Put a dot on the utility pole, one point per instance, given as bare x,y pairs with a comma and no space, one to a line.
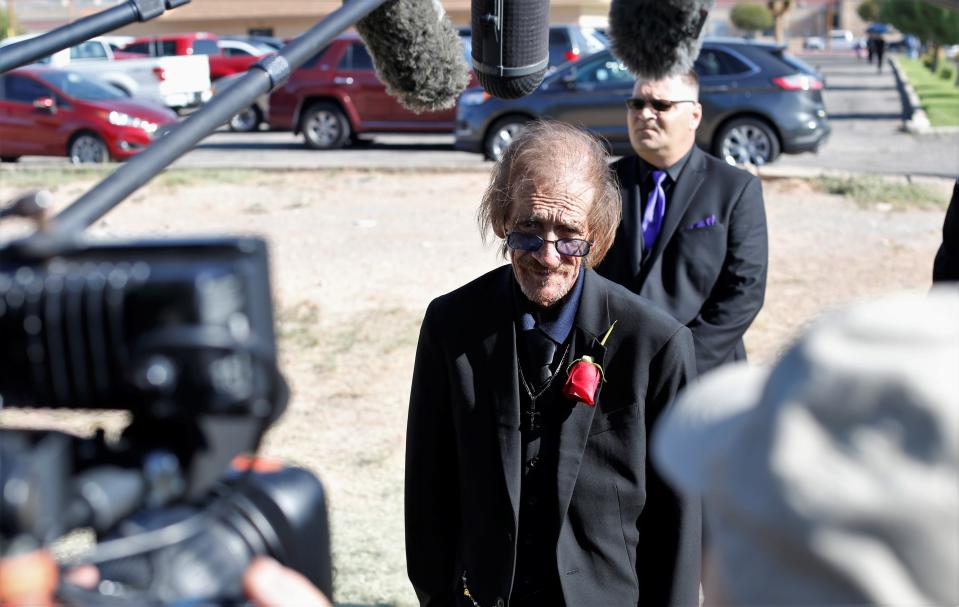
829,18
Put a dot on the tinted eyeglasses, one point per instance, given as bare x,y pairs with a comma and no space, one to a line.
660,105
571,247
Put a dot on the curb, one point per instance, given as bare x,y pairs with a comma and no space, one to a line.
772,173
914,117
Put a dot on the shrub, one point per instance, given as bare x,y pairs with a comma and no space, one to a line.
945,73
751,17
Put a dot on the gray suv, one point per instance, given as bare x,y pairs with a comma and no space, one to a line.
758,101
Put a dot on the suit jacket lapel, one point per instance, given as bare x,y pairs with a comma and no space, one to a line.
630,231
678,201
500,348
592,321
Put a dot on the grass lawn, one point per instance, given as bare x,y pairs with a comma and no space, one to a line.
939,97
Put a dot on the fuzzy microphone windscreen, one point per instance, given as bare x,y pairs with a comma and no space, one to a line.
417,53
657,38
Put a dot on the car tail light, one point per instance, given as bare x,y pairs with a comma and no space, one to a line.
572,54
798,82
160,73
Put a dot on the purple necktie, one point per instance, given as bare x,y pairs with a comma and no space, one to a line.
655,209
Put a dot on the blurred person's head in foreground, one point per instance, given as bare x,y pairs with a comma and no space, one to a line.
834,477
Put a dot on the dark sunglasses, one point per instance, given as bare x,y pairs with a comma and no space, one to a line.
571,247
660,105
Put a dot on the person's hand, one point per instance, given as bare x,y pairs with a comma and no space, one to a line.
28,580
268,584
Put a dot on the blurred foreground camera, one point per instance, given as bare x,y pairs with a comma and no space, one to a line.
180,334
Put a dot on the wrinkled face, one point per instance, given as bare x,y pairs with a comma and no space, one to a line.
551,213
663,137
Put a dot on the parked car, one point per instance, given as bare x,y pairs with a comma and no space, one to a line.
50,112
195,43
813,43
567,42
244,48
176,82
756,104
572,42
842,40
335,97
249,119
271,41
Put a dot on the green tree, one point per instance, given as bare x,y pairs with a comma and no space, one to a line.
932,23
869,10
751,17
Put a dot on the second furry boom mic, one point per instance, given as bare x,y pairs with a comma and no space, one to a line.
510,45
657,38
417,53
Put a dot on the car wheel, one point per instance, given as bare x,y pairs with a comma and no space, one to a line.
324,127
246,121
500,135
747,141
88,148
9,158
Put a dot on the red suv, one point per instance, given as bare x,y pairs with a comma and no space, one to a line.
196,43
50,112
335,96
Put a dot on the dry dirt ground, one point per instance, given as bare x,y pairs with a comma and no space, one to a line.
356,257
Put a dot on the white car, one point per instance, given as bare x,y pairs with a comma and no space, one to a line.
243,48
175,82
841,40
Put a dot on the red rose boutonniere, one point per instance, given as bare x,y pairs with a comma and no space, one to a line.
584,376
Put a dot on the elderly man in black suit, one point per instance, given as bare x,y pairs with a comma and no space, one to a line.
693,232
524,484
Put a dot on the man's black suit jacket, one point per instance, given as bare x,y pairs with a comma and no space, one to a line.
709,276
946,266
623,533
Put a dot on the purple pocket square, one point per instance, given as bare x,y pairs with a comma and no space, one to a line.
702,223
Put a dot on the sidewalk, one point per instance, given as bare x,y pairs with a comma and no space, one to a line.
866,113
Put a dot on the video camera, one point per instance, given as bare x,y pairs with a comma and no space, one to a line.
180,334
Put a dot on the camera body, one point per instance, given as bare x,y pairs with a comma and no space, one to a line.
140,326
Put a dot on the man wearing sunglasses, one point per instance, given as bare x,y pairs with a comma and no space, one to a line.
525,486
693,232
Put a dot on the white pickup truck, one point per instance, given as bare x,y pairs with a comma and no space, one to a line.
176,82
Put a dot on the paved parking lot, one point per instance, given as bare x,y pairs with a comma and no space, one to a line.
864,108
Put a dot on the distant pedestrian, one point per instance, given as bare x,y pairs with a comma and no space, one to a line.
880,47
912,44
871,48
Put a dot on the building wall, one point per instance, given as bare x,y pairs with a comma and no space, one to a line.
289,18
286,18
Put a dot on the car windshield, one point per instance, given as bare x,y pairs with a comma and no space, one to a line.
82,87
